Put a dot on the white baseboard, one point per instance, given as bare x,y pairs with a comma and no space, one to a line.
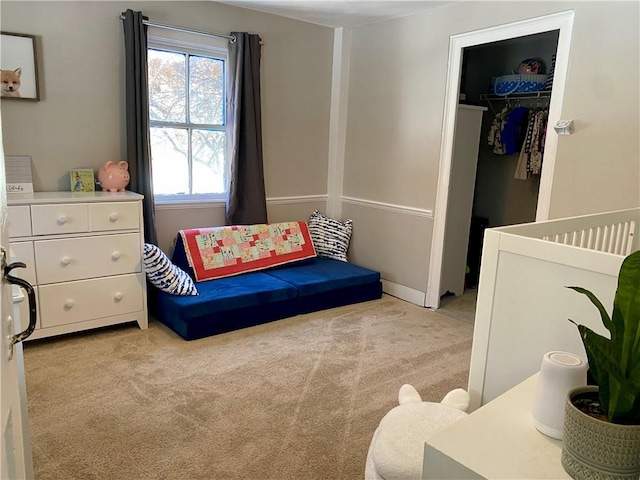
403,293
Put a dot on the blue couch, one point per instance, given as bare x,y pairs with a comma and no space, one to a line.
253,298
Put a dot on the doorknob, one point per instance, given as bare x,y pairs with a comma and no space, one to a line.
31,295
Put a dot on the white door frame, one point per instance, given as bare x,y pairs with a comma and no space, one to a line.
562,21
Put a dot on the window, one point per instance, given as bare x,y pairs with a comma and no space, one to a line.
188,127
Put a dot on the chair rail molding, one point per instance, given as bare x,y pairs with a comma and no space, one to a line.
390,207
221,203
296,199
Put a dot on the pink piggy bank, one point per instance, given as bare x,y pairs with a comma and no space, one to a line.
113,177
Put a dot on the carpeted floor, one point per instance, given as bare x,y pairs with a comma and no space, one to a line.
294,399
462,307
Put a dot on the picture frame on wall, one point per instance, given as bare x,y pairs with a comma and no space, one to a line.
19,65
82,180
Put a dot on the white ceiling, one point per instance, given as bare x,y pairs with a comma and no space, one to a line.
338,13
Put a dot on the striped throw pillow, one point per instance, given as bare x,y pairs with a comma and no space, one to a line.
163,274
330,237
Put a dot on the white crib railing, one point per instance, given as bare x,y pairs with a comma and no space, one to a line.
616,238
523,303
611,232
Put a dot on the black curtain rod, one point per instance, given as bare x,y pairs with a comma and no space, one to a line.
231,38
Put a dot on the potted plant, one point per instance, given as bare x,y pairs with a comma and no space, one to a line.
602,423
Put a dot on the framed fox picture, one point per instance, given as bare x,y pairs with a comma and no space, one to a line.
19,66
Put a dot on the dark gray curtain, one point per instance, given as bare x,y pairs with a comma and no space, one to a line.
246,203
137,117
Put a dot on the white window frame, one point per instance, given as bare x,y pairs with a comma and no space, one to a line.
219,53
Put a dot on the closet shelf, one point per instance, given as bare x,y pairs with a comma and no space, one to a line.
489,98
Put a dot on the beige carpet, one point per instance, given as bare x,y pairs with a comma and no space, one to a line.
462,307
294,399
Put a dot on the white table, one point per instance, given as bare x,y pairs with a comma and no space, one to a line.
497,441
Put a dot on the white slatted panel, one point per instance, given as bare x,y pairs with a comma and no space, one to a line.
616,238
629,238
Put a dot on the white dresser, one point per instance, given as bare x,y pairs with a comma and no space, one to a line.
83,253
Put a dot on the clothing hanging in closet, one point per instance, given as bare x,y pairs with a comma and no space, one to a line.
530,159
520,130
495,132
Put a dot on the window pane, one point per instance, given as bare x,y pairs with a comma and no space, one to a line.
206,90
167,91
169,161
208,149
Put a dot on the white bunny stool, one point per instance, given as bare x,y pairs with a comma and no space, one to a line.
397,447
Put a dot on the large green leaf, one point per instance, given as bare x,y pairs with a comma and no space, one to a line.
603,312
617,394
626,309
634,416
634,375
615,362
595,346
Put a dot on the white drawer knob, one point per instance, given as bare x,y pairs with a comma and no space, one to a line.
62,219
113,217
65,260
68,304
115,255
118,296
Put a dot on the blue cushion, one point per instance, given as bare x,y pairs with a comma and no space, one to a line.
338,298
250,299
225,304
323,275
221,322
231,293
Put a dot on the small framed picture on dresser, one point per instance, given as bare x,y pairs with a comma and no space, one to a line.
82,180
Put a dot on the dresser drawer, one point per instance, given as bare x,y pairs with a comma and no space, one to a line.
59,218
74,302
87,257
114,216
19,221
23,252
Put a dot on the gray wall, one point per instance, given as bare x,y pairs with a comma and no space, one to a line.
79,120
397,81
395,103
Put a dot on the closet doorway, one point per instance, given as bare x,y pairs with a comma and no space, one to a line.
476,51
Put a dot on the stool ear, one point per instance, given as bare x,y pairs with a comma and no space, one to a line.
457,398
408,394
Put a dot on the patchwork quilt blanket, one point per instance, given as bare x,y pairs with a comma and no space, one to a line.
224,251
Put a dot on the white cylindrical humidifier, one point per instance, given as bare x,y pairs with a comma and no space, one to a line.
559,373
